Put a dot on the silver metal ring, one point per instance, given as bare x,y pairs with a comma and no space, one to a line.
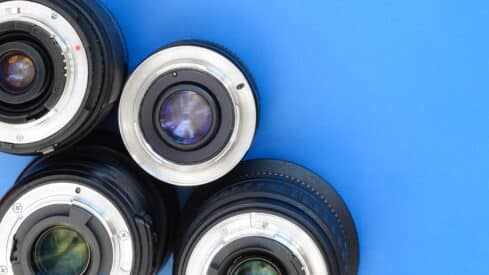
257,224
207,61
76,59
65,193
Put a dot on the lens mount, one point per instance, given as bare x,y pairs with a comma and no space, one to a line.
85,63
69,217
116,211
76,59
221,76
49,81
271,210
67,194
263,225
218,101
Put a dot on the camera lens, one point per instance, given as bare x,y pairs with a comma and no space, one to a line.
189,113
186,117
61,251
255,267
62,68
87,210
17,72
267,217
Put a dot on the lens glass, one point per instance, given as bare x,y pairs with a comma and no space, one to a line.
61,251
17,72
256,267
186,117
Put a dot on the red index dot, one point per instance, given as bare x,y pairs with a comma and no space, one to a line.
77,48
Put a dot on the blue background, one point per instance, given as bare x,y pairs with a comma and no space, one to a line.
386,99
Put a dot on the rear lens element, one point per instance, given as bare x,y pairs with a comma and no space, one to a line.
256,267
61,251
17,72
186,117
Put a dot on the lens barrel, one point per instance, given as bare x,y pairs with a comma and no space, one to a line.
84,211
62,67
188,114
267,217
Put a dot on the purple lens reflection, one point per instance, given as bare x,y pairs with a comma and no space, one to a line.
186,117
17,72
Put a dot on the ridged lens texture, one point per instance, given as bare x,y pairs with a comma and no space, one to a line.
186,117
256,267
61,251
17,72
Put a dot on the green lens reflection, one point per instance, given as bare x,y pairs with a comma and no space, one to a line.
61,251
256,267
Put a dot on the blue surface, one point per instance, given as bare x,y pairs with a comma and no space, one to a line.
387,100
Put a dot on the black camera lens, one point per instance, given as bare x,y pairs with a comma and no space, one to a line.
86,210
17,72
186,117
62,67
61,251
267,217
188,114
255,267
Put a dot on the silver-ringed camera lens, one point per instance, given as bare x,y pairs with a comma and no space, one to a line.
188,113
85,211
62,66
267,217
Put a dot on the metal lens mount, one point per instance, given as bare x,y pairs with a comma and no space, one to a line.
215,76
80,60
95,194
